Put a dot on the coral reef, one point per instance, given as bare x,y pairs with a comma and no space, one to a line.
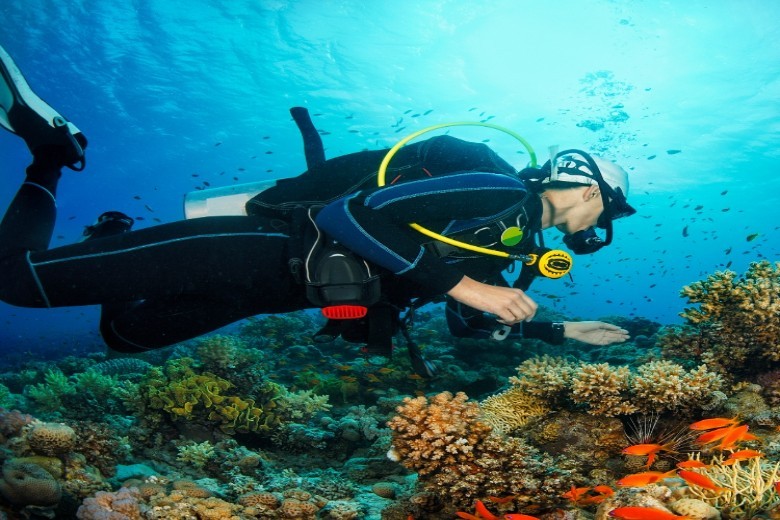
51,438
512,409
431,435
188,395
603,389
748,487
458,456
736,322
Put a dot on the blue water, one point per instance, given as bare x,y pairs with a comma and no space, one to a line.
170,89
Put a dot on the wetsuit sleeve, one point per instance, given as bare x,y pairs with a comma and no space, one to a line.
375,224
466,322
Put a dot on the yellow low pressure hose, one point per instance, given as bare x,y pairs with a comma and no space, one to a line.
381,175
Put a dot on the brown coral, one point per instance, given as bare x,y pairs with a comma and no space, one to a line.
51,438
615,390
603,388
736,321
428,436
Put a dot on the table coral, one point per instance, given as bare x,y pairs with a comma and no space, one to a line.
737,320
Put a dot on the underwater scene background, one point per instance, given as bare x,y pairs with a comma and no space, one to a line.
258,421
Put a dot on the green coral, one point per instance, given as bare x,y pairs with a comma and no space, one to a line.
194,396
196,454
222,352
47,396
5,395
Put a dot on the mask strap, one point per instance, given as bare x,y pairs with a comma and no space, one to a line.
553,162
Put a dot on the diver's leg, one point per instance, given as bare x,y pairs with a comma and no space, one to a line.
157,323
206,256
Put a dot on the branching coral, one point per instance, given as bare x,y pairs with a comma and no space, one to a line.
737,319
663,385
457,455
749,487
609,390
603,388
429,436
196,454
48,395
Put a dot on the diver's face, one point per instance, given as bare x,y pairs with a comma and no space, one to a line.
585,213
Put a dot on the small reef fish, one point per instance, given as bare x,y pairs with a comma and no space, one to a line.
650,450
644,513
482,513
737,434
644,478
501,500
741,455
711,424
575,493
713,435
697,479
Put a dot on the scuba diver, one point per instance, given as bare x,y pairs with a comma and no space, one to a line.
353,254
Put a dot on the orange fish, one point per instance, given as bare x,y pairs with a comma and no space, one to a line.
687,464
501,500
644,513
483,512
467,516
737,434
714,435
574,494
741,455
604,490
711,424
777,487
697,479
643,479
651,450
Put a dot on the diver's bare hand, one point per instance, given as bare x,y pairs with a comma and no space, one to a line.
594,332
509,305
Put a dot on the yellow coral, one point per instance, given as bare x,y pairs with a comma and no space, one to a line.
736,320
544,376
603,388
204,394
52,439
749,487
663,385
512,409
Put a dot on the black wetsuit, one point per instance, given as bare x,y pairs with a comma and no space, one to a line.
172,282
